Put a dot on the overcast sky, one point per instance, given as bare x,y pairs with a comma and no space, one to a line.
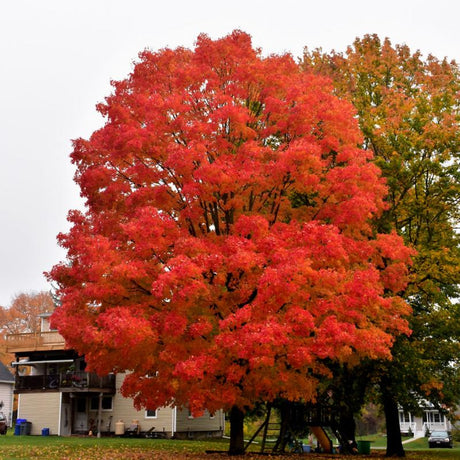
57,59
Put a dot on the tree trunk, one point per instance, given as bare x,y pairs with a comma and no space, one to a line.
236,432
347,431
394,440
284,434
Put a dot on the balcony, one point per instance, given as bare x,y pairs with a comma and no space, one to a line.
39,341
66,382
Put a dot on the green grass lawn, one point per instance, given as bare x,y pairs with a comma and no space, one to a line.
111,448
378,441
105,448
417,448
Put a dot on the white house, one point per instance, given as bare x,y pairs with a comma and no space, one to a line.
431,419
58,395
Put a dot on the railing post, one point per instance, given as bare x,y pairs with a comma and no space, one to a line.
99,415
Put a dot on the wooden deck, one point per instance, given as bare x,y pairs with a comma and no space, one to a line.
41,341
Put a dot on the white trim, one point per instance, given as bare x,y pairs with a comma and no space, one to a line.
151,416
11,408
46,314
174,421
46,361
60,415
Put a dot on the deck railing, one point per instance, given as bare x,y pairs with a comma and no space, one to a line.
73,380
321,415
34,341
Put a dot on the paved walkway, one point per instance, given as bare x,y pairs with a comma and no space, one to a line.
413,439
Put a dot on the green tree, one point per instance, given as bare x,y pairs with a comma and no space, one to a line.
408,110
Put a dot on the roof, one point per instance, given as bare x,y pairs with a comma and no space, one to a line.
45,314
5,374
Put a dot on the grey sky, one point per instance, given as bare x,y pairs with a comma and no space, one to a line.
57,59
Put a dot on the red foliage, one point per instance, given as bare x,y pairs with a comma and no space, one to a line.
227,251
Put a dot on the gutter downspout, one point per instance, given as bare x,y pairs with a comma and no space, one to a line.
174,421
19,406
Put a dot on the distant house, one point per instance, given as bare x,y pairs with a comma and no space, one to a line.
431,419
57,393
6,392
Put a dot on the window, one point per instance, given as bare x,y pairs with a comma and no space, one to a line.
106,403
151,413
433,417
404,417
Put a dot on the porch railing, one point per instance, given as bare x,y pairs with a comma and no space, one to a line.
437,426
408,427
74,380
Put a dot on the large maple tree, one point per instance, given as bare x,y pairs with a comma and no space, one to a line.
225,254
409,113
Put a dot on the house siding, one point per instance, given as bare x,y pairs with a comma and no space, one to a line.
42,410
124,410
6,396
204,424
